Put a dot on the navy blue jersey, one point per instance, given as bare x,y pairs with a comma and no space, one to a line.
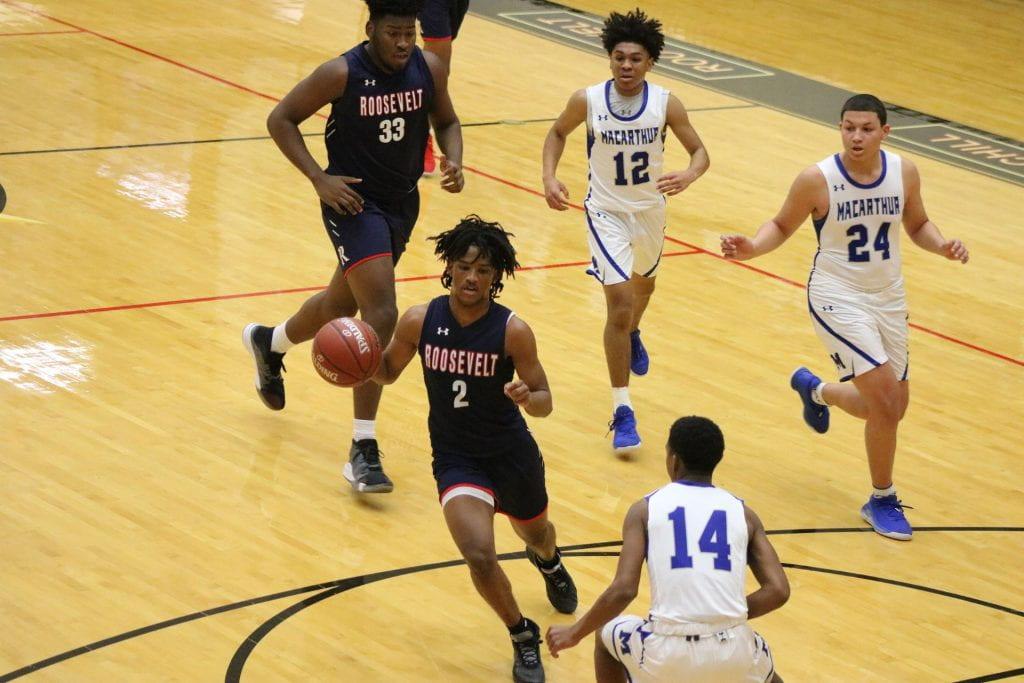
465,370
378,128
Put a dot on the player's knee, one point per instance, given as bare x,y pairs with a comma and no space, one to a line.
481,561
620,316
382,317
887,407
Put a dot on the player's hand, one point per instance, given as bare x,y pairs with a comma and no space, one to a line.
518,392
955,250
560,638
335,192
737,247
556,194
451,176
675,182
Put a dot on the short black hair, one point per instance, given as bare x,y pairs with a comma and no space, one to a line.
393,8
490,238
698,443
633,27
864,102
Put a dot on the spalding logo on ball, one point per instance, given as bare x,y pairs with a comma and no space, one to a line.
346,352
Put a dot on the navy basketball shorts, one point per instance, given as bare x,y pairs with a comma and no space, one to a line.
512,481
441,19
381,229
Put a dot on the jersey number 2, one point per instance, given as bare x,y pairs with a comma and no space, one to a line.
459,387
713,540
639,170
859,233
392,130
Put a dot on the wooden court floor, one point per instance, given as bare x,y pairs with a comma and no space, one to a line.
159,524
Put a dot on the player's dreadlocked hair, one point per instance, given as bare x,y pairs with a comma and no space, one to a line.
490,238
393,8
634,27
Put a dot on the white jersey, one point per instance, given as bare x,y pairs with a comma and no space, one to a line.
859,238
696,559
625,152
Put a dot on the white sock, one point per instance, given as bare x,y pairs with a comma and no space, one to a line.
280,343
882,493
364,429
620,397
817,396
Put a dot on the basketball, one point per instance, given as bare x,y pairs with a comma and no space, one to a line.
346,352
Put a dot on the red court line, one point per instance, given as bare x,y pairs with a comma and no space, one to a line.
38,33
467,168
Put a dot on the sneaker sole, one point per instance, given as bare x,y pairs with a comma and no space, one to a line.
895,535
627,449
247,342
360,487
639,374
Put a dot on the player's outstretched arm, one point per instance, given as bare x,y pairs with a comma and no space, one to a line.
575,113
807,195
764,562
314,92
915,220
530,392
619,594
678,120
403,345
447,128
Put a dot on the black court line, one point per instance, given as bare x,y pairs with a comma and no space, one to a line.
993,677
250,138
329,588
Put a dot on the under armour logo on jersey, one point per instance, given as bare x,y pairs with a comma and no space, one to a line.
838,361
443,330
602,117
840,186
370,81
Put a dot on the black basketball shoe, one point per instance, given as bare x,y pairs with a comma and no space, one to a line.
363,469
269,364
561,589
526,667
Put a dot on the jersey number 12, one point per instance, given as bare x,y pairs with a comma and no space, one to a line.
714,540
638,171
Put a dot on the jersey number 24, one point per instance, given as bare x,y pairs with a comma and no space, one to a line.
859,233
713,540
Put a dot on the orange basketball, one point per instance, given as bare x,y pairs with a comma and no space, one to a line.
346,352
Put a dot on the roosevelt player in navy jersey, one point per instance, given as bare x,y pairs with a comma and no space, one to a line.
484,458
384,93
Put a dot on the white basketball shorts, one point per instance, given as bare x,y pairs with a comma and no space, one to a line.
860,330
735,655
624,243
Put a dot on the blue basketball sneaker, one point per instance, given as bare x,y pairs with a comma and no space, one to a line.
886,516
803,382
623,424
639,361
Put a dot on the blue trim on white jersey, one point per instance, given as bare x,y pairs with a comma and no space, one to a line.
842,169
608,102
590,145
847,378
604,251
838,336
702,484
819,223
906,369
655,266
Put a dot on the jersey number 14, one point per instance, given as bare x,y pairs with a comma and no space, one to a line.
713,540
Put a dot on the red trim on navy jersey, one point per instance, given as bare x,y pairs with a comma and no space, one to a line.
364,260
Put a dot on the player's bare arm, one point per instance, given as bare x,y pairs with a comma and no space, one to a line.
320,88
447,128
575,113
764,563
403,346
619,594
678,120
808,196
530,392
915,220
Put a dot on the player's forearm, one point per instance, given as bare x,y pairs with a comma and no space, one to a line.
289,140
539,404
699,162
554,146
929,238
765,599
767,238
609,605
449,139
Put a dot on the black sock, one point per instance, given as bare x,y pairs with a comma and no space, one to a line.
519,627
548,565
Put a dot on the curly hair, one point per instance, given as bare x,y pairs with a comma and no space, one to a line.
393,8
490,238
697,442
633,27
